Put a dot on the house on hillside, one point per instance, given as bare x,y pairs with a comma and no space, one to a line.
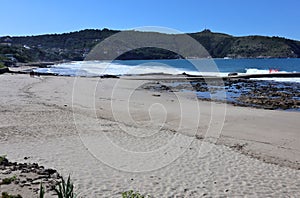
10,60
6,41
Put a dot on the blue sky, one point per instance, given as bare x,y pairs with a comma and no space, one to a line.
236,17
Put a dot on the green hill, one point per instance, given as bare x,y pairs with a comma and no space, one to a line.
223,45
76,45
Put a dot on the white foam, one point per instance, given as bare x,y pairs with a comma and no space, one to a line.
264,71
98,68
297,80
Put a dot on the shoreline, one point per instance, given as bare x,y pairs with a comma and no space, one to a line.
205,87
267,98
38,117
25,69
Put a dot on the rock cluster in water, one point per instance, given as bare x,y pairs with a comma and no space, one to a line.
242,92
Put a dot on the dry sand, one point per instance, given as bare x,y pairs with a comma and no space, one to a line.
111,136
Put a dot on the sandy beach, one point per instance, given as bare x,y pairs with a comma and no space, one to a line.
112,135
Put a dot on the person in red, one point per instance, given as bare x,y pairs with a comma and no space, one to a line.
273,70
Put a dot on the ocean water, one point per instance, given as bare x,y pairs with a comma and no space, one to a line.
219,67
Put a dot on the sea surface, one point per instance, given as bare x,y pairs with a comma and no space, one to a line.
219,67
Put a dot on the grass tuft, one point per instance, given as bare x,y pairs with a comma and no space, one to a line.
2,158
42,191
65,189
132,194
9,180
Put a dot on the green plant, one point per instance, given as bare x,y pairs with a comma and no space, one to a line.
65,189
42,191
9,180
132,194
2,158
6,195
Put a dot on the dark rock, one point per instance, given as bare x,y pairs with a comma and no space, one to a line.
4,161
233,74
109,76
50,171
29,179
23,181
25,171
4,70
6,172
164,87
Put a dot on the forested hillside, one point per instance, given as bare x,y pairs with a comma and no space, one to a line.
76,45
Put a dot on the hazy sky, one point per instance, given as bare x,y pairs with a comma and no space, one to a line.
236,17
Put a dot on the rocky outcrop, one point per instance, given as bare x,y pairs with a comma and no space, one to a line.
241,92
4,70
15,175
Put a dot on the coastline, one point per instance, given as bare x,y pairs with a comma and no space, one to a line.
254,144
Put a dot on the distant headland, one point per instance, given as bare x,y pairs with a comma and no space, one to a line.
74,46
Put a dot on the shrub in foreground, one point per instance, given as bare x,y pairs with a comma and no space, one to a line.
65,189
